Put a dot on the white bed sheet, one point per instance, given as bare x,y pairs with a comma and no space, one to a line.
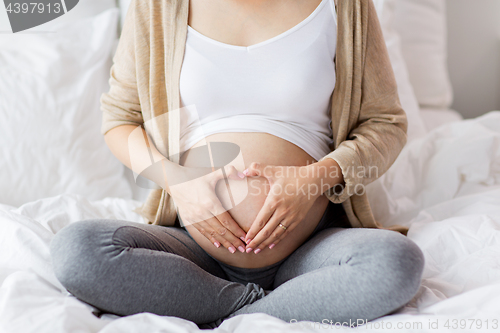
459,235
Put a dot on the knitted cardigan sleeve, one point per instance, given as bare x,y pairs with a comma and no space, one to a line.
368,123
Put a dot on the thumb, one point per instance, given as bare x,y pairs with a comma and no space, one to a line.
233,173
254,170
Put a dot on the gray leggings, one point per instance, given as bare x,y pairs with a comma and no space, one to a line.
340,274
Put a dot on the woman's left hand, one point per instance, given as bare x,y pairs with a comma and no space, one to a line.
292,192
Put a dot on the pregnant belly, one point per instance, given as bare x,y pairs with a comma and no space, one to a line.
269,150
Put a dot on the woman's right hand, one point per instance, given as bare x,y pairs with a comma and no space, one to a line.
199,206
193,189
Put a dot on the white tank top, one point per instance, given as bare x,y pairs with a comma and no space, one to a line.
281,86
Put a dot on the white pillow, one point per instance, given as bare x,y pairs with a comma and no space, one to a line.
84,9
87,8
123,4
416,125
422,27
50,88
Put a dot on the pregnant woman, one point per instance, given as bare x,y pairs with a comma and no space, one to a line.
305,91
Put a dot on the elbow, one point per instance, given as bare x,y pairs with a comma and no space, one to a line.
116,135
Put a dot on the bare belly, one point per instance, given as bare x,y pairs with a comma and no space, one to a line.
269,150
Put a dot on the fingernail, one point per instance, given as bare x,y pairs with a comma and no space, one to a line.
241,248
271,246
232,249
216,244
241,175
242,238
249,250
256,251
248,241
245,172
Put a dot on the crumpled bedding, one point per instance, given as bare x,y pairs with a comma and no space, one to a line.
444,186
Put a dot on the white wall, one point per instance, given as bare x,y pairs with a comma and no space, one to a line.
474,55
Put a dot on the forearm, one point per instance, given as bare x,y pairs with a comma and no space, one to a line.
325,174
131,146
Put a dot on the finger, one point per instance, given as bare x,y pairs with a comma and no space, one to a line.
265,232
288,230
207,231
274,237
265,213
194,215
280,235
227,227
233,173
254,170
227,221
223,235
212,231
229,172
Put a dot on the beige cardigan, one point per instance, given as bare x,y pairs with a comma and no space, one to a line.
368,123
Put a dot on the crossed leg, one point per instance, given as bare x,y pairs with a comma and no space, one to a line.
343,275
126,268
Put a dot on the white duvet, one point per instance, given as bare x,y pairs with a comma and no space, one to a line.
445,187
